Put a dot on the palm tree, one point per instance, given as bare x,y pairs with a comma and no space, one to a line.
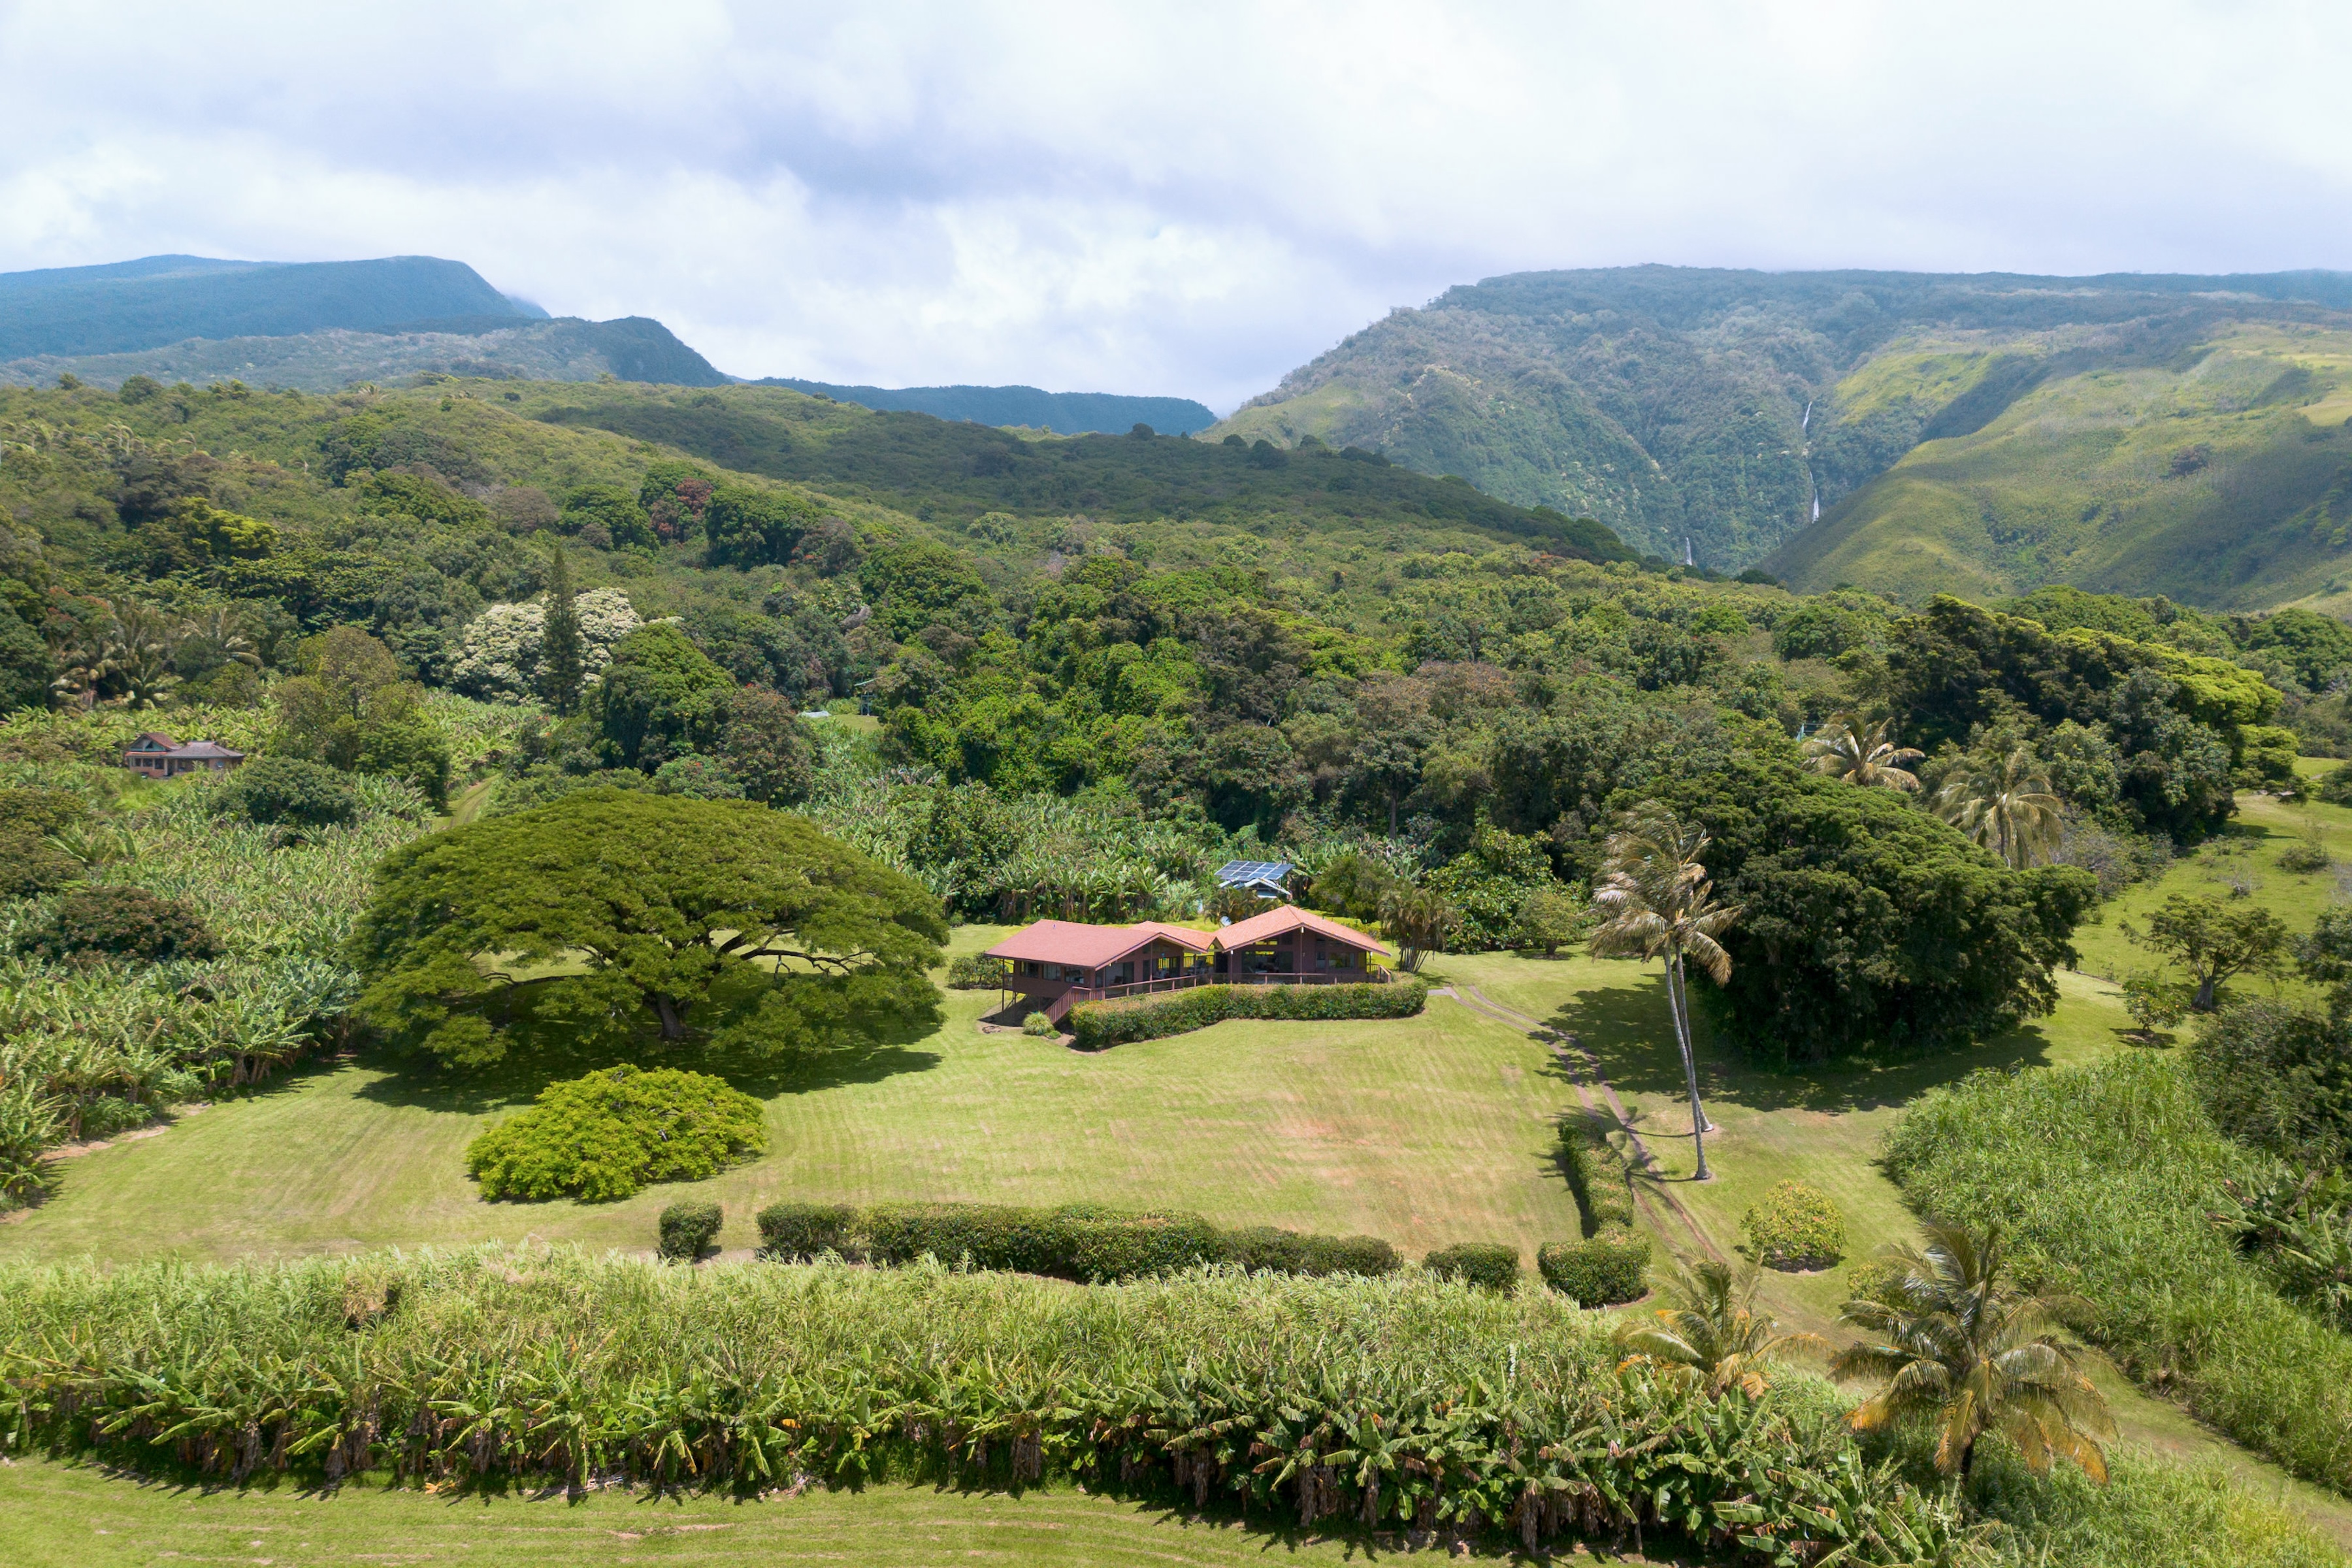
1659,904
1846,748
1418,919
1959,1344
1713,1329
2008,807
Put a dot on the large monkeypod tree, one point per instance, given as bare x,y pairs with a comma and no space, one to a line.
619,917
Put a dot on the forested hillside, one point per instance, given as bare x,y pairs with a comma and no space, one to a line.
1724,407
1063,413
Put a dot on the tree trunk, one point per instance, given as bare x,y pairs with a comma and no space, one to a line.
673,1021
1678,1000
1392,813
2205,988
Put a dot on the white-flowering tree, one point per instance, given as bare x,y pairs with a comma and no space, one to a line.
499,656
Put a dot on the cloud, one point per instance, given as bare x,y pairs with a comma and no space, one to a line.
1183,200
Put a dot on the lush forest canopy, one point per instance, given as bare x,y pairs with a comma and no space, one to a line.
1098,666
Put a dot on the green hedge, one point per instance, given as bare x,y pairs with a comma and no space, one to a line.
1096,1024
605,1135
1288,1252
1077,1241
1603,1271
1596,1176
688,1227
1486,1263
790,1232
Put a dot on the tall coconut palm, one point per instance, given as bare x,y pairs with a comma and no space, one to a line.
2007,807
1958,1343
1846,748
1656,902
1713,1329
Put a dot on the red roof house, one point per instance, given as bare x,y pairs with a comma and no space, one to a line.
1062,963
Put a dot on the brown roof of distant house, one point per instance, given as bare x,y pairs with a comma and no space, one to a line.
1090,946
156,736
1290,917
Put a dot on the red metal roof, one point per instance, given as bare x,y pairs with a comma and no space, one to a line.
1290,917
1090,946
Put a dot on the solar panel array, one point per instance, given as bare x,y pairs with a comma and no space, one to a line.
1240,873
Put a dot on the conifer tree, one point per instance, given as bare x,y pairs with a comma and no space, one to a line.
560,661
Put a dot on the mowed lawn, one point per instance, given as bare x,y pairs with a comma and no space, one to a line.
1426,1131
62,1516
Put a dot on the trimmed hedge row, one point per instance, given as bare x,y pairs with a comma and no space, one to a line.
1489,1264
1098,1024
1604,1271
1080,1241
1596,1176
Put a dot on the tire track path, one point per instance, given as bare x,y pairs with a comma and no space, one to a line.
1582,1067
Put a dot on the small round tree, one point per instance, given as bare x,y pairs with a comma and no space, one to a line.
90,925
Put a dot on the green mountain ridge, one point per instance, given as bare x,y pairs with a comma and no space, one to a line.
1722,407
633,348
162,299
1063,413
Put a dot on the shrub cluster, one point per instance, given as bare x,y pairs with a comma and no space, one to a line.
1796,1227
288,790
1502,1417
1489,1264
606,1135
977,971
1077,1241
688,1227
1608,1266
1098,1024
1604,1270
93,924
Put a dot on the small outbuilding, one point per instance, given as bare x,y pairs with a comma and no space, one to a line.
1267,878
159,756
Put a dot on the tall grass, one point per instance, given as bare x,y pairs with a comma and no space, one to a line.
2102,1177
1402,1400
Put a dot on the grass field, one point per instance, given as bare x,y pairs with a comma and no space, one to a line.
1426,1131
68,1516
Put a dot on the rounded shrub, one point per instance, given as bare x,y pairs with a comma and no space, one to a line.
1489,1264
1796,1227
606,1135
93,924
688,1227
1039,1025
1288,1252
977,971
791,1232
287,790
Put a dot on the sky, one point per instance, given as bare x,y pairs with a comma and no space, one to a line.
1179,200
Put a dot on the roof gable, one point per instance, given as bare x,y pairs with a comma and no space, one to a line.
1090,946
1290,917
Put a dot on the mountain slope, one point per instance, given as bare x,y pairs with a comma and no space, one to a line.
634,348
948,469
1064,413
2218,471
163,299
1719,407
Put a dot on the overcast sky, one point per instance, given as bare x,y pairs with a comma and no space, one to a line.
1186,199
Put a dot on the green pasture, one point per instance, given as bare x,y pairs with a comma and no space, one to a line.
72,1516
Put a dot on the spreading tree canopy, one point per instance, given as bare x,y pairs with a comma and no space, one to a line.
1869,926
635,916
